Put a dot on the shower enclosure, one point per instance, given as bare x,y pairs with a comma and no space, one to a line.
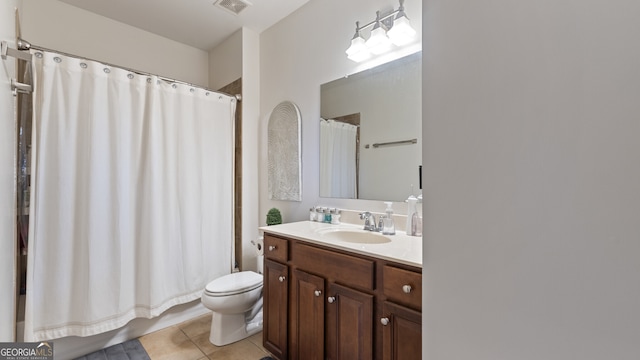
214,140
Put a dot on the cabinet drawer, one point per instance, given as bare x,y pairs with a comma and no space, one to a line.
403,286
276,248
340,268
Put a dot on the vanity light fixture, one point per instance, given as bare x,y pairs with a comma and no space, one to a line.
379,42
358,50
388,30
401,33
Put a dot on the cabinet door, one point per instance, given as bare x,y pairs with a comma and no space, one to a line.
307,316
349,324
275,308
401,332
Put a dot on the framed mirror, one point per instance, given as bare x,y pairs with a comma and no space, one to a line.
371,132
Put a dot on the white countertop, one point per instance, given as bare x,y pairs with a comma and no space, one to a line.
402,248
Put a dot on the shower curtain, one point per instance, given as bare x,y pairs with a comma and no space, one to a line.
337,159
132,196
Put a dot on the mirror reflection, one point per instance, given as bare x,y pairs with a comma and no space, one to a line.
371,133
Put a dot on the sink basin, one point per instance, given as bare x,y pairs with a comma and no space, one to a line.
355,236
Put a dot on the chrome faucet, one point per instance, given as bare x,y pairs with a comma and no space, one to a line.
369,221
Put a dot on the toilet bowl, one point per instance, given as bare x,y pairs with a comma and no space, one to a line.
236,302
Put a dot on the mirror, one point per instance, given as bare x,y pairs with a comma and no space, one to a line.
371,133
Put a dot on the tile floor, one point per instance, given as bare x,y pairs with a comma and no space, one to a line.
190,341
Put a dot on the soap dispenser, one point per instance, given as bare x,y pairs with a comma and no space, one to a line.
388,227
411,210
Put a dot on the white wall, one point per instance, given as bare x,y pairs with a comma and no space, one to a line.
62,27
297,55
250,128
531,154
225,61
7,178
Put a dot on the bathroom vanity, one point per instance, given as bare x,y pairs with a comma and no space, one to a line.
337,292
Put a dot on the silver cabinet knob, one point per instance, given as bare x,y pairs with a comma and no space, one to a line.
331,299
317,293
282,278
406,289
384,321
272,247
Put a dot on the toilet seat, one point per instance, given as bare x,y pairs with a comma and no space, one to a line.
234,283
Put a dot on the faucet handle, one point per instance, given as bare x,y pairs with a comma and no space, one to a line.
366,216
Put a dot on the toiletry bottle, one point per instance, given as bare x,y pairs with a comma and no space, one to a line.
335,216
411,209
416,224
388,227
327,215
312,214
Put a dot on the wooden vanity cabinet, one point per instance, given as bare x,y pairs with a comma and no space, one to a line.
402,332
275,308
336,303
401,324
307,316
349,324
275,295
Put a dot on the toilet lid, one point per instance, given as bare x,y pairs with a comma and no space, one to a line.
234,283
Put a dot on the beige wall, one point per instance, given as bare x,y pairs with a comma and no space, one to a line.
531,125
59,26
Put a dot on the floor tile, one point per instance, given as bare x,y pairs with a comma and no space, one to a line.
190,341
241,350
257,340
170,344
198,326
203,343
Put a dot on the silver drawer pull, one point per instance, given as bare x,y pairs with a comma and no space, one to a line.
317,293
406,289
331,299
282,278
272,247
384,321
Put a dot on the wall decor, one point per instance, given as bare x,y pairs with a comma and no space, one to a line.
285,176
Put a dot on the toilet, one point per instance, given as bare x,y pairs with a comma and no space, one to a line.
236,302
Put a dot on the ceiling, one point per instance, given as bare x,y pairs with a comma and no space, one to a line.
198,23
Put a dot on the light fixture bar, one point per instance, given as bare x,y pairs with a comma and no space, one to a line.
384,35
382,20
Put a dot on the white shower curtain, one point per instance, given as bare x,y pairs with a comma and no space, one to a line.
338,159
132,195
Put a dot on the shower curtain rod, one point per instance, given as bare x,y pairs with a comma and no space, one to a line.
24,45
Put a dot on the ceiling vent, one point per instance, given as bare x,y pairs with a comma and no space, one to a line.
233,6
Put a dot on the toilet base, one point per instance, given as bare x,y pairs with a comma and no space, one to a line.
229,328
